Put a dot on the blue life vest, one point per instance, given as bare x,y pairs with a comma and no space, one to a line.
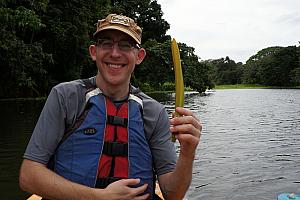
77,158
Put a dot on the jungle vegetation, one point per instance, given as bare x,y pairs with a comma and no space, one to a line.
45,42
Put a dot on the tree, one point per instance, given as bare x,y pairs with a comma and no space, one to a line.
156,69
23,61
295,73
70,25
225,71
148,14
195,72
46,42
295,76
272,66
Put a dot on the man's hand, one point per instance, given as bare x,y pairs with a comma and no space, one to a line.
187,129
121,190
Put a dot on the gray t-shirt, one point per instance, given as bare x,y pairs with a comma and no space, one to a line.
66,102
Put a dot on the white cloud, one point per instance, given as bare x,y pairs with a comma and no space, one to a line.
234,28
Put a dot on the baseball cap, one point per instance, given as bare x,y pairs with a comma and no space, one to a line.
121,23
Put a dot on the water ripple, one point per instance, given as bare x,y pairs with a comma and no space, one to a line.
250,145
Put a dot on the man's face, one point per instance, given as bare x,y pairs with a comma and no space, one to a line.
115,64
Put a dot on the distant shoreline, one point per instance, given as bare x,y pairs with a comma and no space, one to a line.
250,86
217,87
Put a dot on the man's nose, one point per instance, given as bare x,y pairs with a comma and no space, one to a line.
115,50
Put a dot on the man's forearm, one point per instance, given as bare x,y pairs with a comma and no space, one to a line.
175,184
36,178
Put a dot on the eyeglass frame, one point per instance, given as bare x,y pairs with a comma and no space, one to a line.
132,44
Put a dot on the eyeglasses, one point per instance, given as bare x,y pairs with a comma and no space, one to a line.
123,45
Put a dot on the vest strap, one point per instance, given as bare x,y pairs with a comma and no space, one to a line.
104,182
115,149
117,121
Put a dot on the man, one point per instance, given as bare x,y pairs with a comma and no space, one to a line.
101,138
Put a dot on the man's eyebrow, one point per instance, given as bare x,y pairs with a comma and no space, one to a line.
110,38
105,37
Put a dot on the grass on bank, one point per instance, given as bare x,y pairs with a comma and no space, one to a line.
240,86
251,86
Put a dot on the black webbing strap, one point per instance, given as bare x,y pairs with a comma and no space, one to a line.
115,149
104,182
117,121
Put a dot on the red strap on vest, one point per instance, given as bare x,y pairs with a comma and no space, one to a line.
114,133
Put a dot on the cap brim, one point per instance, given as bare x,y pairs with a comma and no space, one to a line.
119,29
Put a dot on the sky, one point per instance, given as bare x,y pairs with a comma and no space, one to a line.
234,28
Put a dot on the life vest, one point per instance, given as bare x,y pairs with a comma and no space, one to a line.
107,144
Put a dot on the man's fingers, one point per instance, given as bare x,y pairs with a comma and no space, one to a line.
130,190
129,182
185,128
186,120
185,112
141,189
187,124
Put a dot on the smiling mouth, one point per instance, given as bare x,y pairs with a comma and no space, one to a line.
115,66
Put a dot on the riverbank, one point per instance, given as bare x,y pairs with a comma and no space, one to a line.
23,99
188,91
251,86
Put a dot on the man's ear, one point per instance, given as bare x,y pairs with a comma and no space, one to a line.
140,56
93,51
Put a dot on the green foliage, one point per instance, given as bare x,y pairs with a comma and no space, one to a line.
273,66
70,25
295,76
195,72
148,15
295,73
156,69
23,61
46,42
225,71
145,87
168,86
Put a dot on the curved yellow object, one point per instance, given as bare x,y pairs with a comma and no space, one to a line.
179,85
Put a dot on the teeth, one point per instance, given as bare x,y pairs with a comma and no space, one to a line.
114,65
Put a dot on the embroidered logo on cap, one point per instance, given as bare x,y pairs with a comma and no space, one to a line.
117,19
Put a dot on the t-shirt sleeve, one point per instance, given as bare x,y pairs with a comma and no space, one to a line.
48,130
163,149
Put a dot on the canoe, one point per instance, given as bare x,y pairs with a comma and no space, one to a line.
288,196
158,191
34,197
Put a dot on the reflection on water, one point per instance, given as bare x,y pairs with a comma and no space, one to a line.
17,121
250,145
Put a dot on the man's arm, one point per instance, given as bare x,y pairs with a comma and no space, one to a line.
35,178
187,130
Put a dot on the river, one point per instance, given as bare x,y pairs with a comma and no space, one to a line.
250,144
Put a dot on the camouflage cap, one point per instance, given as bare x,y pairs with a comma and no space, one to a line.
121,23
